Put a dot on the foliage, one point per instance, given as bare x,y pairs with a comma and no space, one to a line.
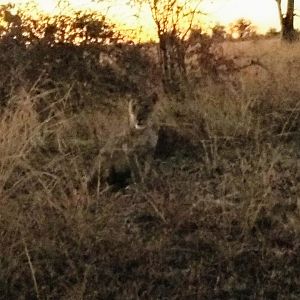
219,33
219,216
174,20
83,54
217,219
206,60
242,29
272,32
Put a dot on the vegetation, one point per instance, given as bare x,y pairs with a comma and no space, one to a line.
243,29
219,216
288,32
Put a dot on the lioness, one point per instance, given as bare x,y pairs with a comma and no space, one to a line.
129,157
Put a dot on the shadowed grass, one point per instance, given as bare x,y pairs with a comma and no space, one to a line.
218,219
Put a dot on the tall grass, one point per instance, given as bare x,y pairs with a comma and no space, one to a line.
218,219
20,130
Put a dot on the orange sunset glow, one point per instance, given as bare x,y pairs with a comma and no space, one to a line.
263,14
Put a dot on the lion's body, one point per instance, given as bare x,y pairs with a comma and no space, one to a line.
129,157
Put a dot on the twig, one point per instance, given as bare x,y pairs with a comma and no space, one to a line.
32,270
158,212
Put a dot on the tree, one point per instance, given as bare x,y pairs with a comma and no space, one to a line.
174,20
272,32
218,33
288,32
242,29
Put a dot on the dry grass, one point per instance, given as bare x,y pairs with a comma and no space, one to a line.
219,220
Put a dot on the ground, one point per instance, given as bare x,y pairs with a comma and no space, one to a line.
218,219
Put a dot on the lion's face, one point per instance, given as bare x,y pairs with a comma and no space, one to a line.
140,111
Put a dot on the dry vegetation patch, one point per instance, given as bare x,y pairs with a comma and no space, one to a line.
218,219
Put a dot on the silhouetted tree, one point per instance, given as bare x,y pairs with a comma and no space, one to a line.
288,32
242,29
63,50
272,32
218,33
174,20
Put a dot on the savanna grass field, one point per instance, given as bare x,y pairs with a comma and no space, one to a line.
217,218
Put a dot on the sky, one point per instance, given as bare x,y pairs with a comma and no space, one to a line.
263,13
